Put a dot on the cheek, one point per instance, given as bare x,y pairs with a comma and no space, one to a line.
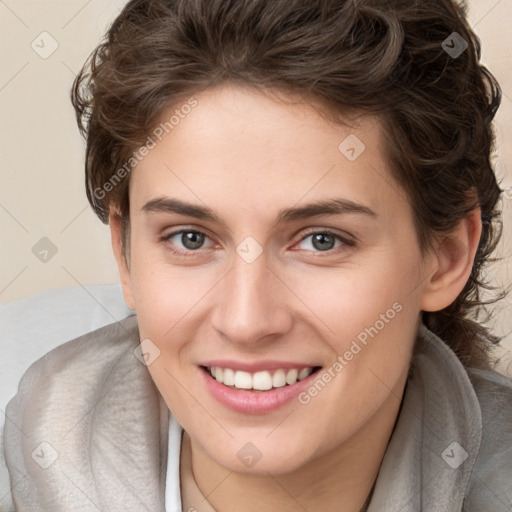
368,317
165,293
347,300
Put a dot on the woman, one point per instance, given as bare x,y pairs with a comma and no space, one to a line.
301,204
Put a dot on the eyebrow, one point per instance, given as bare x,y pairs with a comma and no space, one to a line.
335,206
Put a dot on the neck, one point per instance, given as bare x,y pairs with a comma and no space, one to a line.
340,479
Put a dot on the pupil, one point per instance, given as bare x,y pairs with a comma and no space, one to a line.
323,242
192,240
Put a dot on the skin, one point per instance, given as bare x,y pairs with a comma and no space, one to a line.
246,156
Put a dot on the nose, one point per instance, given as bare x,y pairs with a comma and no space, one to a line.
251,304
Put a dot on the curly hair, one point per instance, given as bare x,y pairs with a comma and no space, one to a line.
390,58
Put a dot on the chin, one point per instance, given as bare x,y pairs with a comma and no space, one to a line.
258,455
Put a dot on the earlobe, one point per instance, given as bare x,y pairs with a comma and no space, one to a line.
452,263
122,264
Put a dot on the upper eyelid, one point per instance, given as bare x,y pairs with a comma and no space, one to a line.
313,231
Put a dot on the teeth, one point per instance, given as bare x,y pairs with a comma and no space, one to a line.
229,377
243,380
291,376
304,373
260,381
279,379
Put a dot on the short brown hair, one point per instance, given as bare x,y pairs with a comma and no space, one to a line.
392,58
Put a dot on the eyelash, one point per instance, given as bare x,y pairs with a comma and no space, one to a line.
330,252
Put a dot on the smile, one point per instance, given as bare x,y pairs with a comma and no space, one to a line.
256,390
259,381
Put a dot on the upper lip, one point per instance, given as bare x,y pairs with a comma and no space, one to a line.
256,366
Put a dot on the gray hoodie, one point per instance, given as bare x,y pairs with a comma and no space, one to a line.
88,431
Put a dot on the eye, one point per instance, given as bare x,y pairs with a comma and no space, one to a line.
186,242
190,240
323,241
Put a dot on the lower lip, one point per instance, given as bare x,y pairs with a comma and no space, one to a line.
254,402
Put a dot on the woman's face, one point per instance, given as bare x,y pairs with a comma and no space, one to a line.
266,244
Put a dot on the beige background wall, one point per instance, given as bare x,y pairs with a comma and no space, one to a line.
41,154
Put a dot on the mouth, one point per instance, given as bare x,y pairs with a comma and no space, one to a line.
256,392
259,381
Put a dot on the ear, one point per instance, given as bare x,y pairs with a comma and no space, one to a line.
121,260
451,263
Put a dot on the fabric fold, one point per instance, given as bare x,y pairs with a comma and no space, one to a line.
433,449
88,429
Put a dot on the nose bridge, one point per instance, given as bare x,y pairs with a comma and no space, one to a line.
249,308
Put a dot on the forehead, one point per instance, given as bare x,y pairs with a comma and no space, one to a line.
263,150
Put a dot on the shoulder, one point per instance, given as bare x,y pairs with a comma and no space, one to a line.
98,388
98,347
490,487
59,389
78,365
